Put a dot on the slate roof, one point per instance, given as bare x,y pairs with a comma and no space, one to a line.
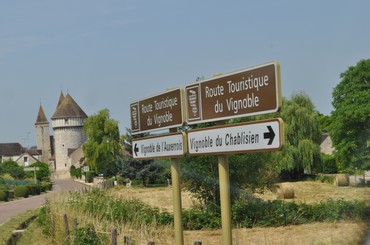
11,149
68,108
41,118
61,98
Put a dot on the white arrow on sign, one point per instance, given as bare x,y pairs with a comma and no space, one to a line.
168,145
237,138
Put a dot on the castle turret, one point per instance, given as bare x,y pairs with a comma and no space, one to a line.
67,123
43,135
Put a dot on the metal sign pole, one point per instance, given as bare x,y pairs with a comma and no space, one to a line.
34,174
223,171
176,193
224,179
177,207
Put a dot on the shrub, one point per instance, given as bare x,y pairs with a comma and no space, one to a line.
21,191
72,171
4,195
90,176
46,186
85,236
34,189
6,176
326,178
10,195
13,169
79,173
42,173
196,219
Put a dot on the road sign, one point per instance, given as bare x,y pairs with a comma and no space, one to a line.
168,145
247,92
254,136
158,112
31,169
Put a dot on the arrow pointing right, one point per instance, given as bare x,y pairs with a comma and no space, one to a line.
269,135
136,149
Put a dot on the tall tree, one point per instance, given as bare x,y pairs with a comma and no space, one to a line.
103,143
324,123
302,135
350,129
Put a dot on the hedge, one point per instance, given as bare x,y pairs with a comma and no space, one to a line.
21,191
34,189
4,196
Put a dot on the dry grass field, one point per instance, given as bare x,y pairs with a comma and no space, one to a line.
307,191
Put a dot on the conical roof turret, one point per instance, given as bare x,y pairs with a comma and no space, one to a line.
61,98
68,108
41,118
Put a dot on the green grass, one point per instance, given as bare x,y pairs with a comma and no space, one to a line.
8,227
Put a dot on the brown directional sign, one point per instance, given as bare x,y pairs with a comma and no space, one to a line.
247,92
158,112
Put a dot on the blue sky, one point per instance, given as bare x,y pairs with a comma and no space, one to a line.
106,54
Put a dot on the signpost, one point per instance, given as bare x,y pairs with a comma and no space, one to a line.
34,169
243,93
247,92
162,111
168,145
237,138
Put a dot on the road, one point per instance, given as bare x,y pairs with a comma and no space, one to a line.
14,208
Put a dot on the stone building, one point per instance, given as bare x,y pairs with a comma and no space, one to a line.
64,148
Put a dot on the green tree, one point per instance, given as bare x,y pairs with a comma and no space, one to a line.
13,169
147,171
324,123
252,171
258,171
301,151
350,129
102,147
42,173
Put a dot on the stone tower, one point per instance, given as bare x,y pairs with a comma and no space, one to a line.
43,135
67,123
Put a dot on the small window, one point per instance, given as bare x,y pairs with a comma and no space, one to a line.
25,160
66,121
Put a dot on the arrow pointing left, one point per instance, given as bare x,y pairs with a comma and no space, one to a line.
136,149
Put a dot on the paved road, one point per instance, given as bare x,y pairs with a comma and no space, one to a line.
14,208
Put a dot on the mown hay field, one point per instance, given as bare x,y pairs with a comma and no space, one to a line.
304,191
348,232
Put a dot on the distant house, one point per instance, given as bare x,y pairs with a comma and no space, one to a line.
326,145
17,153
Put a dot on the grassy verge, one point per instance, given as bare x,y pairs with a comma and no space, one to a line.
7,228
33,235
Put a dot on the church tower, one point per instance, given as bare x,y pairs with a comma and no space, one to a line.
43,135
67,123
